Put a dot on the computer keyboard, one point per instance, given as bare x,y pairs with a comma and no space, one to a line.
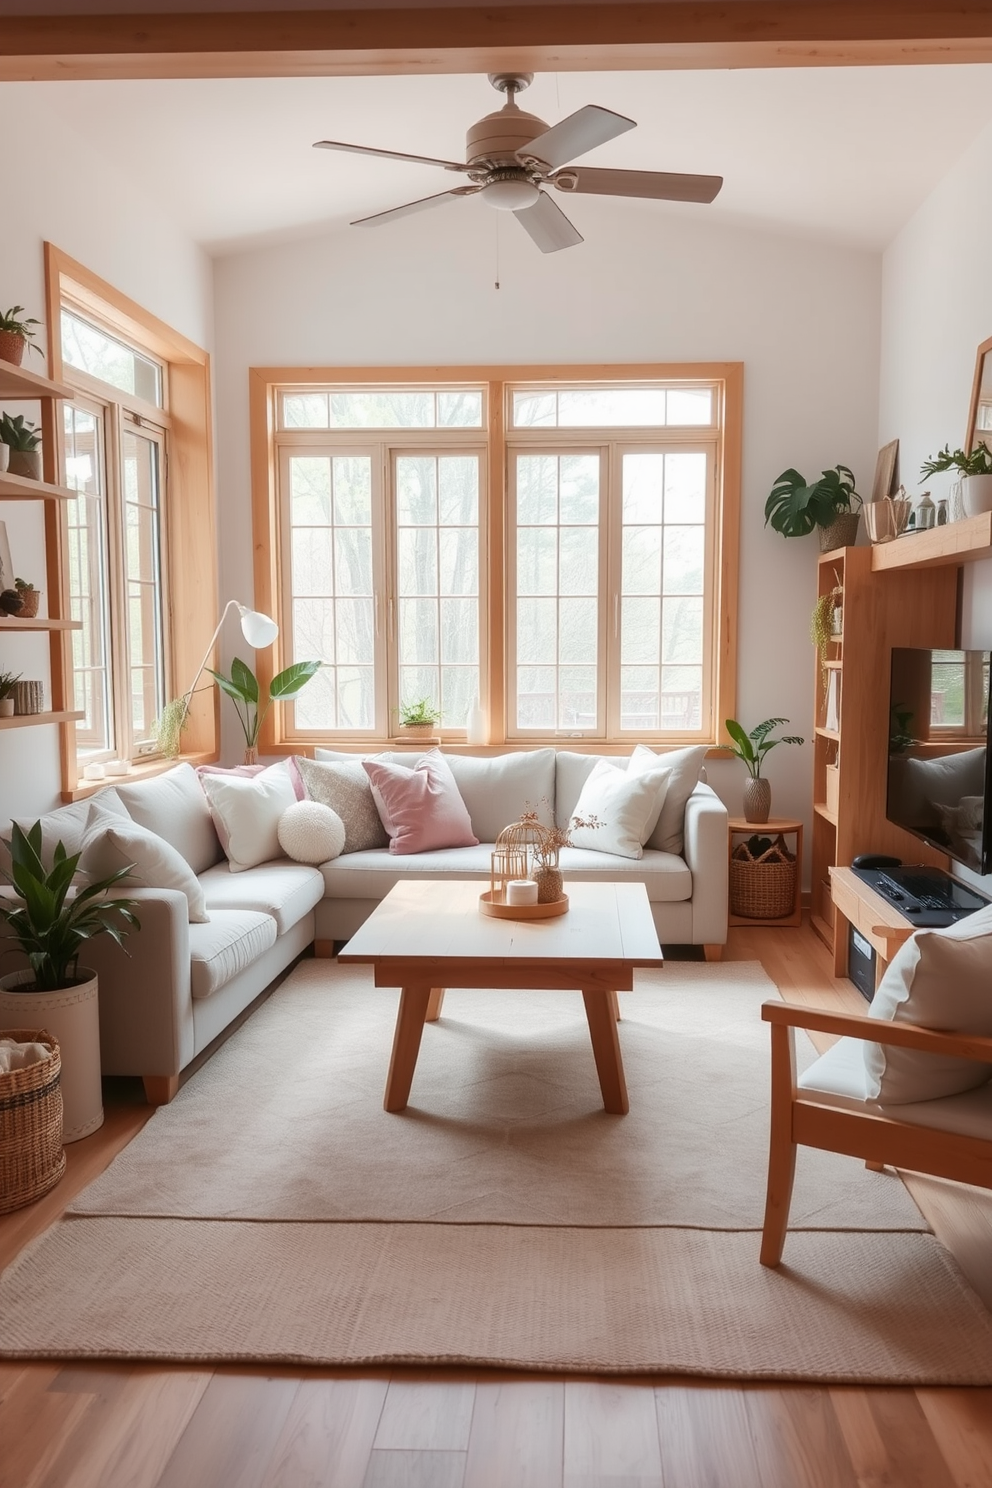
921,887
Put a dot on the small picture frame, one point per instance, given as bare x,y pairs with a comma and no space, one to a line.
6,564
885,470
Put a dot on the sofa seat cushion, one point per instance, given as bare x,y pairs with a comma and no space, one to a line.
370,875
227,945
286,891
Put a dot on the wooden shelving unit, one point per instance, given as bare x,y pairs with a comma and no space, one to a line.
20,488
40,622
26,720
900,604
957,543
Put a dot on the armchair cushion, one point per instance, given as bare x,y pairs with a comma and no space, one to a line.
937,979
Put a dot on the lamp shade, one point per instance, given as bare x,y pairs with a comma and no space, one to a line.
258,629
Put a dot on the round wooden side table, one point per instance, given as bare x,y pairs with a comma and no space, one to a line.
738,827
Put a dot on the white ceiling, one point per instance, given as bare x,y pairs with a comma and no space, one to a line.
841,154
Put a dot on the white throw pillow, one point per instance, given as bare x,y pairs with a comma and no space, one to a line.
246,811
683,766
311,833
172,806
626,807
111,842
937,979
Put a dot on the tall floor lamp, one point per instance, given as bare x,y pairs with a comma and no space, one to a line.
258,630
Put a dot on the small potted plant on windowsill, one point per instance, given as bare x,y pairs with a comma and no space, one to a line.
794,507
15,334
418,719
975,473
24,442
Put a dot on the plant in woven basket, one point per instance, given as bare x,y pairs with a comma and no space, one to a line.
50,925
29,596
794,507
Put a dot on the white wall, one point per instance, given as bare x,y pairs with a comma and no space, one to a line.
110,223
649,284
936,308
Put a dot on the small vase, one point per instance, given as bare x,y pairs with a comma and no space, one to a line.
6,707
26,463
757,799
251,755
550,884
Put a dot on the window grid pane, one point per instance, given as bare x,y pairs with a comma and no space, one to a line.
383,408
612,407
86,517
93,350
557,591
143,575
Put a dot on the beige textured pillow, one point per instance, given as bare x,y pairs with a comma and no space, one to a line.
344,787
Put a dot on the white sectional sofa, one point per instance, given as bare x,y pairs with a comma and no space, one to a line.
181,984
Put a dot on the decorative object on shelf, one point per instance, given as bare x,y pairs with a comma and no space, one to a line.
926,513
887,518
545,869
8,681
51,928
4,456
826,623
11,602
117,767
32,1158
16,335
29,697
243,690
885,471
831,711
794,507
762,879
29,599
94,771
6,562
514,857
24,441
419,718
750,749
975,467
476,725
258,630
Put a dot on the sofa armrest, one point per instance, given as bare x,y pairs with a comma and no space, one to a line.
705,852
146,1008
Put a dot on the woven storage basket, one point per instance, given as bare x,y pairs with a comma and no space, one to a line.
763,887
32,1159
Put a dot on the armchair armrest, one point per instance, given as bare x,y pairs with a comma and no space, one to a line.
879,1031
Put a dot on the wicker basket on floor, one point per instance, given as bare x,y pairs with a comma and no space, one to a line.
32,1158
762,880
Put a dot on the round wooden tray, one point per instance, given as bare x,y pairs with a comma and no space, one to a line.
522,911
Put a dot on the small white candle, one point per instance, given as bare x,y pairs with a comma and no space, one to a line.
521,891
117,767
93,772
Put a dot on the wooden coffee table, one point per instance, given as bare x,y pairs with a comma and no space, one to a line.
427,935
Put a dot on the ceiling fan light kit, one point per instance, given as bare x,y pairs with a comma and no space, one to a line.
512,154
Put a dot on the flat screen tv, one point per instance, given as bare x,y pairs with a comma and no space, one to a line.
940,764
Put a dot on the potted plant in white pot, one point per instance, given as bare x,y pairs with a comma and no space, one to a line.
51,921
7,680
975,473
831,504
15,334
24,441
751,749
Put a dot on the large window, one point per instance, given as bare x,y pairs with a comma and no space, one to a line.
562,548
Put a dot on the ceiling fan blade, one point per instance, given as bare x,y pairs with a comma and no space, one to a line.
389,154
548,225
658,185
582,131
415,206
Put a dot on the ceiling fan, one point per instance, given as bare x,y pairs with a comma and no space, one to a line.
511,155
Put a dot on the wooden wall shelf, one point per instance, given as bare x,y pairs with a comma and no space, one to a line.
958,542
21,383
20,488
40,622
26,720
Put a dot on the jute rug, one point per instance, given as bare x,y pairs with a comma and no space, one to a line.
275,1212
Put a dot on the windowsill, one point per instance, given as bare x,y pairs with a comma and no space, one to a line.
87,788
509,746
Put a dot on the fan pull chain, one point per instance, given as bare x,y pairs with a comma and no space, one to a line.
496,214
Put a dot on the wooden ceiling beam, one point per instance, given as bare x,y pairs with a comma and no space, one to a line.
539,37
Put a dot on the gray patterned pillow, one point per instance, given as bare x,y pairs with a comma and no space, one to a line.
344,786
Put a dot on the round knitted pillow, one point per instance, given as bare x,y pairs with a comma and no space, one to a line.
310,833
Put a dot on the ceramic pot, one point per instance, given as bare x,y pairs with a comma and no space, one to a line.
976,494
25,462
842,532
6,707
550,885
73,1015
12,347
4,457
757,799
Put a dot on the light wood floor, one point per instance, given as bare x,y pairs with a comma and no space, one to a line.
65,1425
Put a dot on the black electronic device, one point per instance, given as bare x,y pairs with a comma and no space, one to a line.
861,962
928,897
876,860
939,778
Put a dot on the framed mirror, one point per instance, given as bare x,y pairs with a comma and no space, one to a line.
980,413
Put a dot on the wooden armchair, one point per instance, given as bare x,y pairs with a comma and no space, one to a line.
813,1118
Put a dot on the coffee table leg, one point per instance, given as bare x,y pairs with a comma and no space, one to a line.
615,1005
406,1046
434,1006
606,1049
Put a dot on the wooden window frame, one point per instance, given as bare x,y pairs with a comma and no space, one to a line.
190,540
265,386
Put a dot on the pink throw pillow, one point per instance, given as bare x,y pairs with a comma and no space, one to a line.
422,808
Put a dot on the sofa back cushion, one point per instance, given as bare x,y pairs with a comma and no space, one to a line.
174,807
67,825
113,842
497,789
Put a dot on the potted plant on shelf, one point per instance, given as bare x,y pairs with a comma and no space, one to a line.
794,507
15,334
24,441
975,473
419,718
29,599
751,749
7,680
243,689
51,923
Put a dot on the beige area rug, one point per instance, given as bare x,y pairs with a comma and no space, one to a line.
275,1213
